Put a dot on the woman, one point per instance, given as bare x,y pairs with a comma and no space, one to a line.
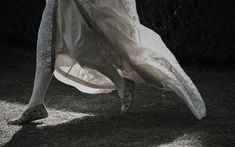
98,46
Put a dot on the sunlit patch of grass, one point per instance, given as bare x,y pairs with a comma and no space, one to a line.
187,140
13,110
78,119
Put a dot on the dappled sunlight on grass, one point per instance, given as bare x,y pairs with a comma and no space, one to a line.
187,140
55,116
58,117
79,119
13,110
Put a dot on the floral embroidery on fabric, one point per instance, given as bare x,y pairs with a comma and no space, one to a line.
44,43
130,8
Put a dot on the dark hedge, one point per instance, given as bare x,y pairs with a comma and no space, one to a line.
198,32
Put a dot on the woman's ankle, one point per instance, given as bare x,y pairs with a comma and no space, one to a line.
33,104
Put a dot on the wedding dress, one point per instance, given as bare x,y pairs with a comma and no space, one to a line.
87,33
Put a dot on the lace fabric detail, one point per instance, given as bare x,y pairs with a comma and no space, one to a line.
181,79
130,8
177,80
45,38
157,61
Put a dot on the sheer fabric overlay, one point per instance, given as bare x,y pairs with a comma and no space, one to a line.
118,38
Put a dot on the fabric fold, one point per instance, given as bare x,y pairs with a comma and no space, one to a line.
95,32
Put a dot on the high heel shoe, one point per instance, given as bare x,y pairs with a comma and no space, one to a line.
34,113
127,99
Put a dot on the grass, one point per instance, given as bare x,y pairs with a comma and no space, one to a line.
78,119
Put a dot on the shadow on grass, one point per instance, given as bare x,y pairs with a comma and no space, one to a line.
142,129
139,130
155,121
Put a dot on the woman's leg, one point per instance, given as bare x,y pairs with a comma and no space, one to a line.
125,87
41,83
36,109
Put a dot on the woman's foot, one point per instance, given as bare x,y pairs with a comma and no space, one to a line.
127,95
34,113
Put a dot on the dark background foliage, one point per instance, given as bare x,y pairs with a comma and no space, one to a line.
198,32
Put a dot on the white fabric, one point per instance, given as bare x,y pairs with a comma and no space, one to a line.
134,50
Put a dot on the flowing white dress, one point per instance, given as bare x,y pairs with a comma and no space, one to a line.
92,33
